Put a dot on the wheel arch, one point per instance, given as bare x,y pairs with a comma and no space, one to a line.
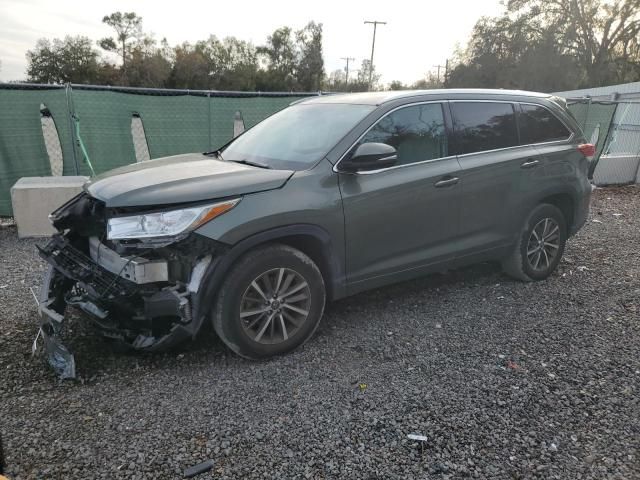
312,240
565,203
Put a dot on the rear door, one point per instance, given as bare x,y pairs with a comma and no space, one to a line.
550,137
401,219
496,170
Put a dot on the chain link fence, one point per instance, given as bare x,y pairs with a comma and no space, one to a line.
41,126
615,125
611,114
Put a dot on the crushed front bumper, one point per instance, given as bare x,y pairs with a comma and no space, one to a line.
142,314
58,356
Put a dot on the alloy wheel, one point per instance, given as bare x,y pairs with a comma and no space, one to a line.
544,244
275,305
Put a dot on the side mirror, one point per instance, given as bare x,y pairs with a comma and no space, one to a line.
370,156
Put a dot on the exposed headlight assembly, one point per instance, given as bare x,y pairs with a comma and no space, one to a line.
166,224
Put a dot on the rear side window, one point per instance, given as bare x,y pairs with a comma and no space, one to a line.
416,132
540,125
482,126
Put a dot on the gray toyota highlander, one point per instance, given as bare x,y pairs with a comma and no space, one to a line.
326,198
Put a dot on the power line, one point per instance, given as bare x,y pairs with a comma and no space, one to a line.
375,24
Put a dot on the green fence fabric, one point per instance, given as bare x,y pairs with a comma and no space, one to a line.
253,110
174,122
22,146
591,115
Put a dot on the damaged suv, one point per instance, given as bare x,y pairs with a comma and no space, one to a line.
326,198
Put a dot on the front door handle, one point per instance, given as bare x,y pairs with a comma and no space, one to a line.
446,182
529,164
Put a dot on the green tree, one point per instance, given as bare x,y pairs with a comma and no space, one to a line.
310,65
128,27
397,85
230,64
108,74
59,61
292,60
553,45
335,82
279,55
190,68
601,34
233,63
149,66
361,83
430,82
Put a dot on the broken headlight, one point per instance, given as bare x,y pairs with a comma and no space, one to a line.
167,223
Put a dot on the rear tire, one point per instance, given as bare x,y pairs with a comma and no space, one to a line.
540,245
270,303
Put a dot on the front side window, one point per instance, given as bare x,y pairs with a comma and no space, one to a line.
540,125
482,126
416,132
298,136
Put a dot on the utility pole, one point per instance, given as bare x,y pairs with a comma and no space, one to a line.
375,24
446,71
348,59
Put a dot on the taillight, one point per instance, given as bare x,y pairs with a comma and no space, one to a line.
587,149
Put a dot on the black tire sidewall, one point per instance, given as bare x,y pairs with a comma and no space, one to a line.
226,315
540,213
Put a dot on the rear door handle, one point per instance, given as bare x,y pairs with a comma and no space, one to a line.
446,182
529,164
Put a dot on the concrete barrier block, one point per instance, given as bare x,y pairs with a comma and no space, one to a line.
34,198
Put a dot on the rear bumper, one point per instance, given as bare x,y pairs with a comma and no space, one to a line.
581,213
147,316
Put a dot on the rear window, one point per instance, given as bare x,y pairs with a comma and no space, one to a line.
482,126
540,125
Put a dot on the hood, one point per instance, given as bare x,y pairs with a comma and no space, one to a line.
180,179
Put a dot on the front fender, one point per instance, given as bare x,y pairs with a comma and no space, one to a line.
332,267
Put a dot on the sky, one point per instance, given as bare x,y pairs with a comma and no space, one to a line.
419,34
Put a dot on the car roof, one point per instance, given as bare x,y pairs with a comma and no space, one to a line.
378,98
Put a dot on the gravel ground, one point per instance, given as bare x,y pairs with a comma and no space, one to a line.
505,379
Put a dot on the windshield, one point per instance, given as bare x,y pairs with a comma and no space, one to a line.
297,137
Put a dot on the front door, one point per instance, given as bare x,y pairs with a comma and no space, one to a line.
401,220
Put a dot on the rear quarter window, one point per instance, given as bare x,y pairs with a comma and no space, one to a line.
482,126
539,125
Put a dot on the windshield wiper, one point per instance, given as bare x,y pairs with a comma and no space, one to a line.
215,153
249,162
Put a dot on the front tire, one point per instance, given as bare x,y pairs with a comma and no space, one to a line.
270,303
540,245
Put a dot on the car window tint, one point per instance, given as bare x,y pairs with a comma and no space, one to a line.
484,126
540,125
416,132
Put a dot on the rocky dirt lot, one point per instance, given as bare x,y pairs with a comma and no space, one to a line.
505,379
